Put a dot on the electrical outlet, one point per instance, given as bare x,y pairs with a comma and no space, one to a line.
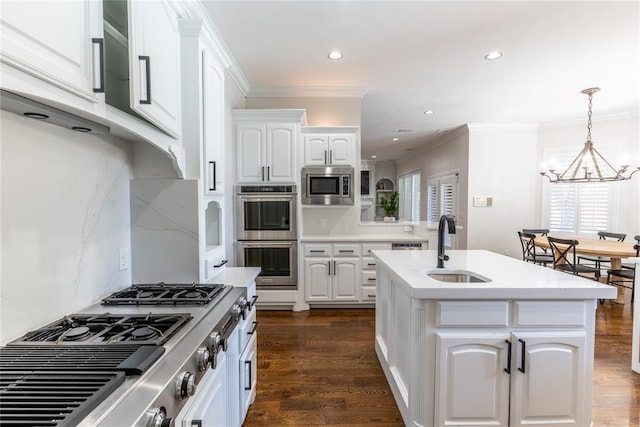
123,259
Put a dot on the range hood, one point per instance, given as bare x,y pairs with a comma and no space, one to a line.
18,104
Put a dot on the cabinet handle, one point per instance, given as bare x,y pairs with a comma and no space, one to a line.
371,264
268,170
147,86
212,176
330,157
223,262
317,251
508,368
253,328
334,268
252,303
248,362
196,423
98,69
262,179
345,251
371,296
329,264
524,349
371,279
325,157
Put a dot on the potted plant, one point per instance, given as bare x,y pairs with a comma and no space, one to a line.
390,206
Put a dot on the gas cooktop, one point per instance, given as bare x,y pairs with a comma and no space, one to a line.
166,294
106,328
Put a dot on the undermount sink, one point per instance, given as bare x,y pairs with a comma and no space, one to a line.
456,276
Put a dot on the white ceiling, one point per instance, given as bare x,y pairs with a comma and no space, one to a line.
412,56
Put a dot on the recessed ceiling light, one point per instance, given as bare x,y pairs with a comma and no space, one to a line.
396,139
493,55
335,55
373,157
429,112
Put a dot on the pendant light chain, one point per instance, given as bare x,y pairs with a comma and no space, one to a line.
589,117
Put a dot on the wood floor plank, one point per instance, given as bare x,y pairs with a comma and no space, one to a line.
319,367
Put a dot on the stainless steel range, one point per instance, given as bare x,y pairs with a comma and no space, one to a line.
136,358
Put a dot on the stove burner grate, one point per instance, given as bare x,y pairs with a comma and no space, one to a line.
166,294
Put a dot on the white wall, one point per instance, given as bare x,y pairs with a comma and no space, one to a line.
502,166
622,132
65,213
450,154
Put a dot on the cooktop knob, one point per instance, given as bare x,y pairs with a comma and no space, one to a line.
237,311
185,385
203,356
215,341
160,418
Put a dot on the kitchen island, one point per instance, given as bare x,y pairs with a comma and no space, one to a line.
496,341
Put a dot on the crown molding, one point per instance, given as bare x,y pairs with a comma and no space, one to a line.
582,121
307,92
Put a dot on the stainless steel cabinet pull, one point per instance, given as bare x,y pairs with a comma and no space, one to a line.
524,349
248,362
253,328
508,368
147,86
98,69
212,176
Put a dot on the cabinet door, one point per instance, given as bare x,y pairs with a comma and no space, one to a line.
473,385
341,149
548,385
317,281
248,377
250,138
346,279
280,153
208,408
213,123
154,63
316,150
53,41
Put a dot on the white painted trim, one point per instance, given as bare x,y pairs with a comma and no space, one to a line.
271,115
307,92
330,129
502,126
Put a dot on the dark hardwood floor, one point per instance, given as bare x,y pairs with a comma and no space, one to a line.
319,367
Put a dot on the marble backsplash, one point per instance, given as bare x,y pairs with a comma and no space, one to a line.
65,214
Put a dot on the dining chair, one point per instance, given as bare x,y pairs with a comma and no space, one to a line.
632,265
529,250
564,258
538,232
625,276
597,261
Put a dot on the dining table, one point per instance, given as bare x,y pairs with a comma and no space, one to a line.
611,249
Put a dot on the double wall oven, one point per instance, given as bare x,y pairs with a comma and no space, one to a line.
266,233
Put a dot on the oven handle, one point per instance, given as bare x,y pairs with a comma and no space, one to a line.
267,243
196,423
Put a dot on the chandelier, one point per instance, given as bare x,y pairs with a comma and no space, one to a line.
589,165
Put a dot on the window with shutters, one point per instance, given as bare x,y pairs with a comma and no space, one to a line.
577,209
409,192
442,197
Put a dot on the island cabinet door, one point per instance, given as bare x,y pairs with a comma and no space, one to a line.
548,379
317,279
472,379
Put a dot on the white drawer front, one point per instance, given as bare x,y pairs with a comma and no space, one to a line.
473,313
368,293
248,329
369,277
368,263
317,249
368,247
346,249
549,313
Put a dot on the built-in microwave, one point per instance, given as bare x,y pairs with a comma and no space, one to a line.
327,185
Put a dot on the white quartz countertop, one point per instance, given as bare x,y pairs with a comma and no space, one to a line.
510,278
370,237
236,276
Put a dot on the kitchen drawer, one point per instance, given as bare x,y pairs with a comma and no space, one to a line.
472,314
368,247
368,263
369,277
346,249
317,249
548,313
368,293
248,329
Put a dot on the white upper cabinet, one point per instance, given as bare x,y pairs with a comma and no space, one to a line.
57,42
329,146
154,63
213,123
266,145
